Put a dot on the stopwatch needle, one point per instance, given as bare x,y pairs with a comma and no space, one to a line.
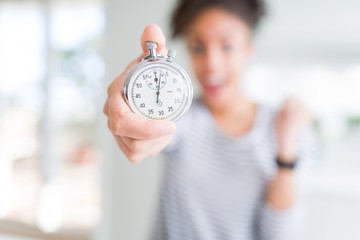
158,91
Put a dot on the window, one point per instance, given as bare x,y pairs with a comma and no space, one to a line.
50,80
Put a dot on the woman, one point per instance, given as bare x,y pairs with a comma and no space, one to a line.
230,163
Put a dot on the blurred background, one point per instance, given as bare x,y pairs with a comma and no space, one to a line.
62,175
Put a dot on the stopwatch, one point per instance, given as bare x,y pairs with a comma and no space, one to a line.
158,87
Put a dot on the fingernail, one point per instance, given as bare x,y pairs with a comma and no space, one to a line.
168,129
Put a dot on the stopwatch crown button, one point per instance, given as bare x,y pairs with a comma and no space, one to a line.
171,53
151,45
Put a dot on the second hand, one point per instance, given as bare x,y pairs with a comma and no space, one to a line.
158,89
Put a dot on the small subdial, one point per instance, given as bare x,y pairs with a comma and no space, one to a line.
156,79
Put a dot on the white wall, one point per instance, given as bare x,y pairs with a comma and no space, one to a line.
306,30
313,28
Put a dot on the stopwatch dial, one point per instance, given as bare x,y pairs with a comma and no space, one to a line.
156,78
165,98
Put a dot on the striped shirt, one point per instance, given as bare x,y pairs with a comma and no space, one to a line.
213,186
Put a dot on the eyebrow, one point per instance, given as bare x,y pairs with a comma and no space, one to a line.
219,38
225,33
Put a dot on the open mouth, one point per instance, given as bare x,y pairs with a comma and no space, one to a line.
214,86
213,89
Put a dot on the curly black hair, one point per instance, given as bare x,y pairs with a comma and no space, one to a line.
251,11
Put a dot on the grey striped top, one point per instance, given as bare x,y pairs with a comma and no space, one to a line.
213,186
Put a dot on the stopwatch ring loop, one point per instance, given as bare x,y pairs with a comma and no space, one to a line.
152,58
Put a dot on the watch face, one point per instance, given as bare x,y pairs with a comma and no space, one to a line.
158,90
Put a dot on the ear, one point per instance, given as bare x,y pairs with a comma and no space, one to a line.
249,50
250,43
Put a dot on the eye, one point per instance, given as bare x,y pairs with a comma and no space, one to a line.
197,49
227,47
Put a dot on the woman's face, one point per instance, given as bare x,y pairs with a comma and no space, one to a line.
219,43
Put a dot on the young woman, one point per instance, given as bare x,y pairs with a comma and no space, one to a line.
230,163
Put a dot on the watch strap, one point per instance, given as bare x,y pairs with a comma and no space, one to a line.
281,164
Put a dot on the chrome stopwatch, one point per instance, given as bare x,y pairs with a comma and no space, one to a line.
158,87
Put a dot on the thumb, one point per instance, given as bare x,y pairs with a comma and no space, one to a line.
153,33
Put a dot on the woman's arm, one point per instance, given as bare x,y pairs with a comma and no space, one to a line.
279,216
291,123
281,190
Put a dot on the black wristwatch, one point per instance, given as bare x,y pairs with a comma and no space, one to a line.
282,164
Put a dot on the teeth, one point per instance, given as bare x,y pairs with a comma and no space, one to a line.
214,81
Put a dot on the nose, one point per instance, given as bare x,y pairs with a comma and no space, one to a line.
213,61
